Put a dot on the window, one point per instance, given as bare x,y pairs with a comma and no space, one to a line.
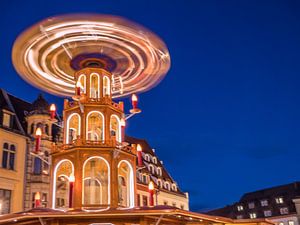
252,215
251,205
8,156
147,157
115,128
159,172
73,128
167,185
239,217
145,200
174,187
95,126
125,184
264,202
279,200
62,172
159,183
240,208
291,222
106,86
281,223
6,120
96,182
5,199
94,86
37,169
284,210
151,169
154,160
138,200
82,81
268,213
144,178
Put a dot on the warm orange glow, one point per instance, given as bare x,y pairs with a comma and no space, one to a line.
123,122
139,148
72,178
37,196
78,84
151,186
38,132
134,98
52,107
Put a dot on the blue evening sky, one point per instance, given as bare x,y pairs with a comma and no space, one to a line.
225,120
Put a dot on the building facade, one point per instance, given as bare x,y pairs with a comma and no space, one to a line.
278,204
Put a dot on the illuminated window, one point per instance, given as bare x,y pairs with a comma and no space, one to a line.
268,213
8,156
154,160
174,187
159,183
252,215
151,169
251,205
62,172
125,184
167,186
96,182
94,86
5,201
284,210
147,157
159,172
6,120
115,129
239,217
95,126
291,222
240,208
106,86
281,223
73,128
279,200
264,202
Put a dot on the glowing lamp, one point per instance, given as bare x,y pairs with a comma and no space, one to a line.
37,200
151,193
38,135
78,87
52,111
72,178
134,100
123,124
71,187
139,155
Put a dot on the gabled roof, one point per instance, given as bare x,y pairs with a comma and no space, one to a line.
148,150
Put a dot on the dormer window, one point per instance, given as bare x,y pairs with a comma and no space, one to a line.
154,160
159,172
6,122
174,187
167,186
147,157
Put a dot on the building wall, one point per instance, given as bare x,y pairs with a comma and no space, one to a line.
13,180
285,220
163,198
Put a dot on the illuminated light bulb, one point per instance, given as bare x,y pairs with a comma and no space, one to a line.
151,186
139,148
37,199
134,100
139,155
38,134
78,88
52,111
123,122
71,187
151,193
72,178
